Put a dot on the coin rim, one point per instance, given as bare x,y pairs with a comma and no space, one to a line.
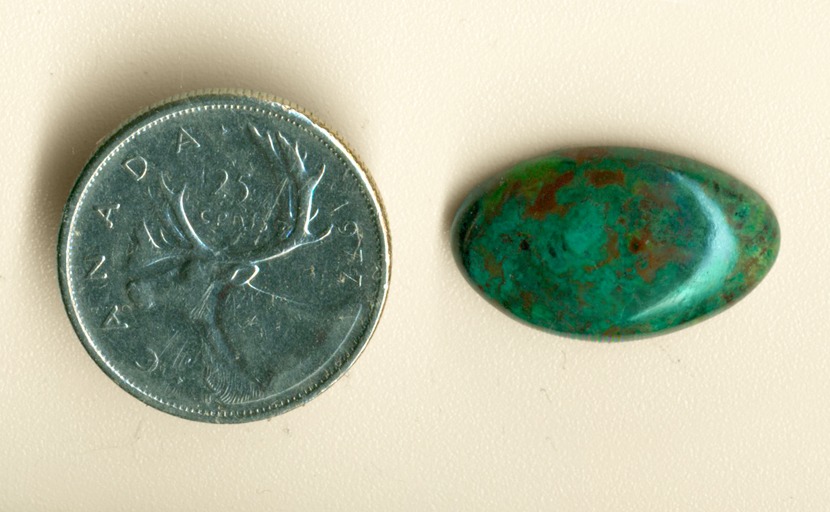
277,105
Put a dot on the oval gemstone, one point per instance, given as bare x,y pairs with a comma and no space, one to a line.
614,242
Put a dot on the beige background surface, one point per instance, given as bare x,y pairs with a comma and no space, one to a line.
453,406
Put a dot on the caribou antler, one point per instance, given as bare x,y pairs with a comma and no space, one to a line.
290,158
181,223
281,155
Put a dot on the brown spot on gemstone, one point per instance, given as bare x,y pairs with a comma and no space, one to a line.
655,196
646,271
612,246
614,330
527,301
524,245
655,255
492,266
601,179
582,155
583,289
545,202
635,245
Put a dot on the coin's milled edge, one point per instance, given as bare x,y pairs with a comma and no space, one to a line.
153,115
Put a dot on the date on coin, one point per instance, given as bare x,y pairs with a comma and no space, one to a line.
223,257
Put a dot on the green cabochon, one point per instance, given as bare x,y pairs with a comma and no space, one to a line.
612,242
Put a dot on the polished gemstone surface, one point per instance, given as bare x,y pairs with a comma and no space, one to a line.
612,242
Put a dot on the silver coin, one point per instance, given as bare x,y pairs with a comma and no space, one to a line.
223,257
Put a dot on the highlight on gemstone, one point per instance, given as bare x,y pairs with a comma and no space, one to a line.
613,242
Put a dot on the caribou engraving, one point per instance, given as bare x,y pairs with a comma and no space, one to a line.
199,276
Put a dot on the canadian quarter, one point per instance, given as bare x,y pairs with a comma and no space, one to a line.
223,257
